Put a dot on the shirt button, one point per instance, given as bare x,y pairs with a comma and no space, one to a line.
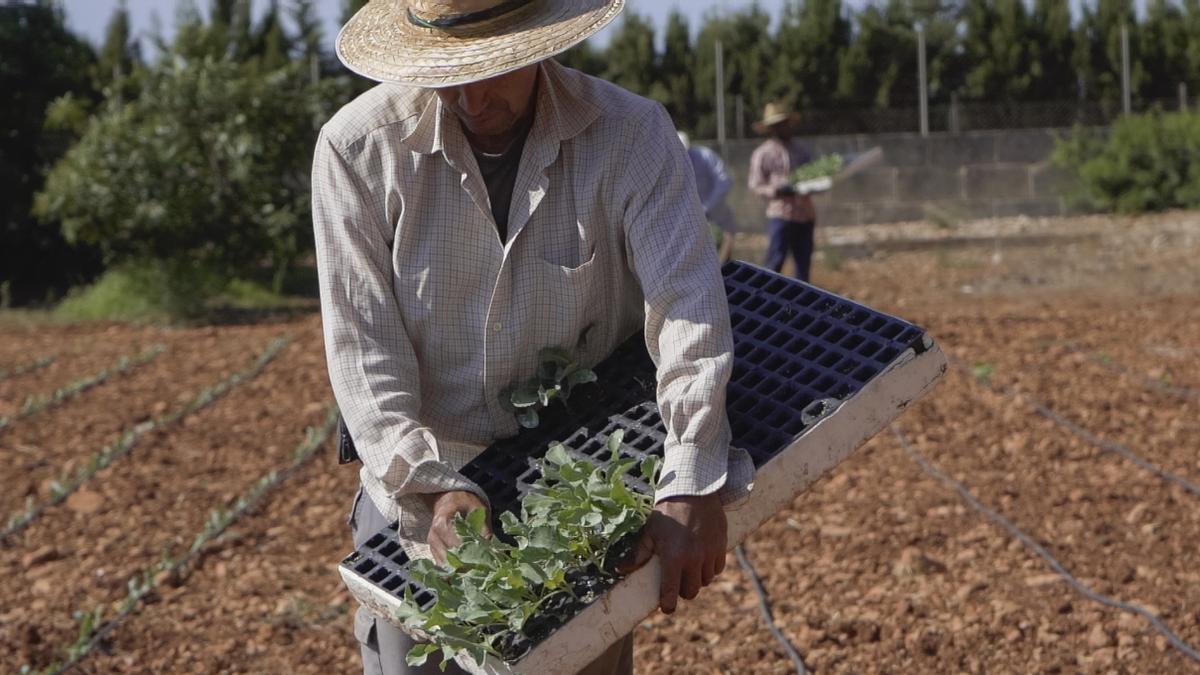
497,327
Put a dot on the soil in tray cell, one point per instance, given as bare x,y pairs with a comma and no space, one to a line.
41,448
264,599
156,500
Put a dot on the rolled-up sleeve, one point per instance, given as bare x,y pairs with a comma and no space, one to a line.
687,316
372,366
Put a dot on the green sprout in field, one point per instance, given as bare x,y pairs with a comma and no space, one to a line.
983,371
557,375
495,597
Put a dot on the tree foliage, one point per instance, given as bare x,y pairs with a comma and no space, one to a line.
161,194
209,165
40,62
1147,163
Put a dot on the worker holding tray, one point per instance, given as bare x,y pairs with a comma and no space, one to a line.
791,216
485,203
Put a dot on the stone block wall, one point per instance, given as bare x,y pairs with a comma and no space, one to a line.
980,174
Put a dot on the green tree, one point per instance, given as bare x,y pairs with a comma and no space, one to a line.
1164,43
880,67
309,33
998,51
350,8
812,38
631,60
746,40
1052,42
675,72
1098,48
585,58
209,168
271,43
120,53
40,63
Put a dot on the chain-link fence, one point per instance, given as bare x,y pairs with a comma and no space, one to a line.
961,117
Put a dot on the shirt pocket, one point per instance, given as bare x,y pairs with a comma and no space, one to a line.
572,303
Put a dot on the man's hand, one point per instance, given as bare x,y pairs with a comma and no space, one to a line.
446,506
688,534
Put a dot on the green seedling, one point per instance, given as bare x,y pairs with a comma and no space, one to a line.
494,597
823,167
142,583
36,404
69,482
557,376
983,371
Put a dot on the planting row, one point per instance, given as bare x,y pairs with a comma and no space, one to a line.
28,367
124,365
95,626
150,505
67,483
61,440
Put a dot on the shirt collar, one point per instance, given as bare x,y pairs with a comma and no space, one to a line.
563,111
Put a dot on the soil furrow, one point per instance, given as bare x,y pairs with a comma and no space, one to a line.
43,447
157,499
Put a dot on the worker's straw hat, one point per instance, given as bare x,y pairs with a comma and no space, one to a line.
442,43
775,113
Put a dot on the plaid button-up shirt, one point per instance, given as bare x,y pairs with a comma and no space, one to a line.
771,168
428,316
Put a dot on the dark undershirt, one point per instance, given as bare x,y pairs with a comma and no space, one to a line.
500,176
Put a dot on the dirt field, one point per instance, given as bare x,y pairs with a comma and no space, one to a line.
878,568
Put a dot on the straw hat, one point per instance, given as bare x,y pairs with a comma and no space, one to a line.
442,43
773,114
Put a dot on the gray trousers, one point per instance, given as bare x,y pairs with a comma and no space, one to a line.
384,646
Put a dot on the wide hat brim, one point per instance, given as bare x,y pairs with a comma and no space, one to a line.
764,125
382,44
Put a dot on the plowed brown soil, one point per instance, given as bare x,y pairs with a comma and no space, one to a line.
877,568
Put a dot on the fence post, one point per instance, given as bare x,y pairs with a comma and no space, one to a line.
720,84
1126,93
1183,97
923,85
955,125
740,117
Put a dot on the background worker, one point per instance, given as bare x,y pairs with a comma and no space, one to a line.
481,205
791,217
713,184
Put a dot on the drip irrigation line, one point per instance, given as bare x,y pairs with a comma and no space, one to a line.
1147,382
765,606
27,368
1058,568
314,440
67,483
1101,443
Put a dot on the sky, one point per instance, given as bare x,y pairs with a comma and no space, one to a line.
89,17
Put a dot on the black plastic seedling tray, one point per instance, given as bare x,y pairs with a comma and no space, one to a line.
800,353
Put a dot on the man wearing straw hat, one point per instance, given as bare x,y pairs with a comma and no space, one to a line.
481,204
791,217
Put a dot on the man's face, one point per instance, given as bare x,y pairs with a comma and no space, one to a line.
492,108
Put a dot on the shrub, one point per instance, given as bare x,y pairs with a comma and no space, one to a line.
1146,163
209,165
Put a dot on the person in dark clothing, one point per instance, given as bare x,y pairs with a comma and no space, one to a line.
791,217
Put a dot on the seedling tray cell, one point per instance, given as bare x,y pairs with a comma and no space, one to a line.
815,376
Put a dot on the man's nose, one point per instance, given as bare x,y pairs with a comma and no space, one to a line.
472,99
